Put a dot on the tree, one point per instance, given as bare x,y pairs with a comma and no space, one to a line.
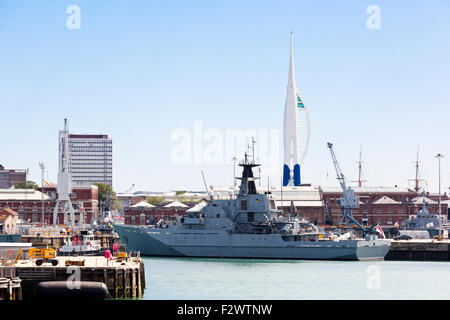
26,185
117,204
105,193
155,200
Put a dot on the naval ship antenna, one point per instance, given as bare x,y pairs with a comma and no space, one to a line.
206,188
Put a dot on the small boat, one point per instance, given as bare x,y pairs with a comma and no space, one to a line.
86,245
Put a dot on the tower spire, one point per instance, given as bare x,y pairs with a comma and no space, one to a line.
291,79
291,167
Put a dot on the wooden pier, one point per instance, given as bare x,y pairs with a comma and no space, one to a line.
10,285
124,278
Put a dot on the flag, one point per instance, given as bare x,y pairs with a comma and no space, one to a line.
380,231
48,183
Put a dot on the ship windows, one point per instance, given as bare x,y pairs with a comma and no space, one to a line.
244,205
251,217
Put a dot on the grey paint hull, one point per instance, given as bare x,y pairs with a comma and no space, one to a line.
220,244
10,237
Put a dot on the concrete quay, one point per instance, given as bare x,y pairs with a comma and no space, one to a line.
419,250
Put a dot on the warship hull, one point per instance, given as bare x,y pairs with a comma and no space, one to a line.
10,237
221,244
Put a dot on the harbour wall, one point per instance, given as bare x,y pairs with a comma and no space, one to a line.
419,250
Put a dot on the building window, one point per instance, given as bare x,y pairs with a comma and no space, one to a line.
400,210
133,219
142,218
379,220
389,210
379,211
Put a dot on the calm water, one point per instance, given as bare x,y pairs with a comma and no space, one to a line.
184,278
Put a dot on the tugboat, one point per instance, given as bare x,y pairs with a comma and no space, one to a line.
248,226
86,245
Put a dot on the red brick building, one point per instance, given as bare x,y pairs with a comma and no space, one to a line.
380,205
29,203
85,197
146,214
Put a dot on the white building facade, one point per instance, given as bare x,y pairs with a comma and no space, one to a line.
90,159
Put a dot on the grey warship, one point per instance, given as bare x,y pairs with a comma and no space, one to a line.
246,226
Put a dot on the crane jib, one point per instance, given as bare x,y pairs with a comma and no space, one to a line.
350,201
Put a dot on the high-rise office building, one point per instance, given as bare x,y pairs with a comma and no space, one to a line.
10,177
90,158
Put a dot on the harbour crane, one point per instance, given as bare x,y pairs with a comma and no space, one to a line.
131,188
348,200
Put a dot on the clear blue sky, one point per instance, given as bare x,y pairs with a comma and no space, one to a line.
138,70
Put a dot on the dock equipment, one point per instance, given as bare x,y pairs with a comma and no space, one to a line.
348,201
43,256
121,256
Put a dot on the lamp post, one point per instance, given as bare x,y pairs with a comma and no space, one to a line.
439,156
42,166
